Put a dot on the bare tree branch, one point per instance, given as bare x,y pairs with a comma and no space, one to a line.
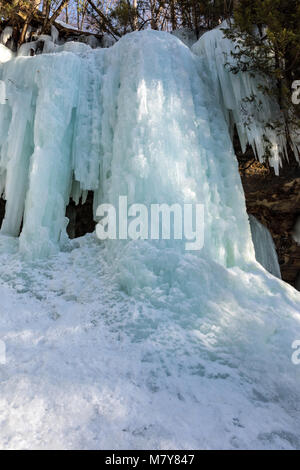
107,26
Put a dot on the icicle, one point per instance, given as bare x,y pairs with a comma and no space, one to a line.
234,92
265,251
6,35
54,34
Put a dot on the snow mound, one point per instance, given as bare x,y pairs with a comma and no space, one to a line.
205,364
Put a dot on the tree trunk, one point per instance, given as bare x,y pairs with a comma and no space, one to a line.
45,4
47,12
57,12
135,18
29,15
24,31
83,13
195,18
173,15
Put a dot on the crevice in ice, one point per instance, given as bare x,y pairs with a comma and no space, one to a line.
2,210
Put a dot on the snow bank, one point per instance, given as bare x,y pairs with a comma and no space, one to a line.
204,363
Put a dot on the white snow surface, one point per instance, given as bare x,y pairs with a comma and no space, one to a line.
89,367
133,344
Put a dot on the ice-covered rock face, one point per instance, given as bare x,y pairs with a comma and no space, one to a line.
234,93
138,119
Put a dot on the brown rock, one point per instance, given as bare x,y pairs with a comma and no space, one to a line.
275,202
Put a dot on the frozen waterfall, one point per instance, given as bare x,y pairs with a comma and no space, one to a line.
134,344
119,121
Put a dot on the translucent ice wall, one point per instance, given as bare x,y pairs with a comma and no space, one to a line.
137,119
234,93
265,251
